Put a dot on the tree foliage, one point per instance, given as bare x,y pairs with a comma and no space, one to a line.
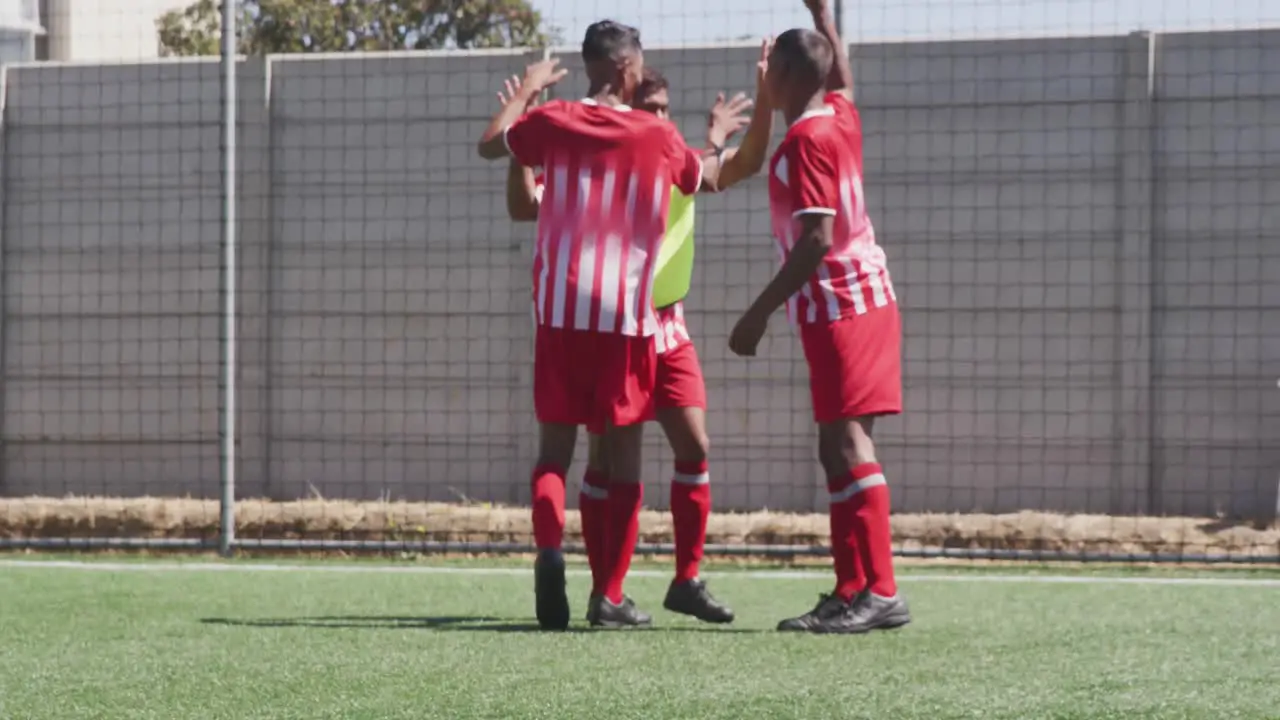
303,26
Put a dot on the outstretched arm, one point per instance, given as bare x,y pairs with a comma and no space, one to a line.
522,187
726,119
538,77
748,158
841,77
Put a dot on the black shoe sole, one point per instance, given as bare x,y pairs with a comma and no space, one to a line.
718,620
600,618
552,603
890,623
617,625
895,624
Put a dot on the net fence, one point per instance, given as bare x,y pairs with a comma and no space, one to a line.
1078,201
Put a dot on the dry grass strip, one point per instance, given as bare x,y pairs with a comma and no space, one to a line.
79,517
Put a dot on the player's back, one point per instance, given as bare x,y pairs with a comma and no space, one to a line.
608,173
604,170
818,169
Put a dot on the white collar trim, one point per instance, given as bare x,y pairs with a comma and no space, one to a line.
593,103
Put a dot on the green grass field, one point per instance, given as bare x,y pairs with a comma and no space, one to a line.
141,639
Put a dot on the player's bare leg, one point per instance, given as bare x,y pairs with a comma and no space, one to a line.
555,454
621,450
593,507
866,596
686,431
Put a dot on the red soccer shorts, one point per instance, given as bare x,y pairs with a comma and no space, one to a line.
680,383
592,378
855,365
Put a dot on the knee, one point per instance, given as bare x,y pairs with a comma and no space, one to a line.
831,457
695,448
555,458
596,461
844,446
622,454
860,449
598,467
556,444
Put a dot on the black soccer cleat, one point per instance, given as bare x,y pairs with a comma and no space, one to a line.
867,612
828,607
551,602
605,614
692,598
593,609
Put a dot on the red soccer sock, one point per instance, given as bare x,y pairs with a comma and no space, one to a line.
548,507
593,506
623,529
690,505
871,523
845,554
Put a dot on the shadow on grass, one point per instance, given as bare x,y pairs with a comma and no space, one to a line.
474,623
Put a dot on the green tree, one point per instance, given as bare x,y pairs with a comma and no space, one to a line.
301,26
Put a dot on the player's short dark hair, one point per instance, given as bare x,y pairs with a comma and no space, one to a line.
606,40
808,56
653,82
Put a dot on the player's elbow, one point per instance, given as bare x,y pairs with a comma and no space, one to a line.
731,174
752,163
522,213
820,243
817,233
491,148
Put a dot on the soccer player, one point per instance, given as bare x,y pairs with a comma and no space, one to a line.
609,175
836,287
680,394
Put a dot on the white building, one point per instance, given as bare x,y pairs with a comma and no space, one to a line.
19,30
102,29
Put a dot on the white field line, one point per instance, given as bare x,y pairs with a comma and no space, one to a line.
500,571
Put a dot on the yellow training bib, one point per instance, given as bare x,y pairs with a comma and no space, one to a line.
675,257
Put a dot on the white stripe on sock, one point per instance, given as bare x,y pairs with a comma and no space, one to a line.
595,493
687,479
865,483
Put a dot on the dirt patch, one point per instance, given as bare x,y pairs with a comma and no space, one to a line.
443,522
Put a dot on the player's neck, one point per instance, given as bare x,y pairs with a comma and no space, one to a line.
793,112
605,94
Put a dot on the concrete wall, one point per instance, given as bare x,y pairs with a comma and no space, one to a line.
1082,233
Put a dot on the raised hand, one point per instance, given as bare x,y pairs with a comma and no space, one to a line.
512,94
542,75
747,333
728,117
762,72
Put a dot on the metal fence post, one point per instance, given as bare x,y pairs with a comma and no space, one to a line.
227,457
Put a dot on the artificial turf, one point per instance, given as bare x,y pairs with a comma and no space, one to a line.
311,643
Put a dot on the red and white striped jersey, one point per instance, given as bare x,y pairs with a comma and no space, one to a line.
608,173
672,330
818,169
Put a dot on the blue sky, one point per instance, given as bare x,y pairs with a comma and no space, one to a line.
681,22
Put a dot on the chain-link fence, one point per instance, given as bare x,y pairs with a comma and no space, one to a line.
1082,231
